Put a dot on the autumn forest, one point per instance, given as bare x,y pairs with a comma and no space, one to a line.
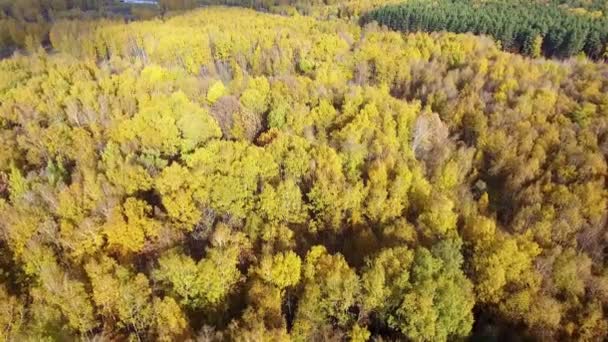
339,170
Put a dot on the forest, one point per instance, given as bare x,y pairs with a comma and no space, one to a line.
226,174
522,26
25,24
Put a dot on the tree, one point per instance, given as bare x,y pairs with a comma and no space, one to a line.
171,322
216,90
123,172
176,189
440,304
166,127
295,178
332,198
11,315
571,272
281,270
566,30
127,228
205,284
227,175
330,289
422,294
283,203
385,278
122,297
268,283
439,220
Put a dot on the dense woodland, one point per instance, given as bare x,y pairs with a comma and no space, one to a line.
579,5
231,175
25,24
520,25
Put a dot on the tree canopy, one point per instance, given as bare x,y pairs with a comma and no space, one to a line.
226,174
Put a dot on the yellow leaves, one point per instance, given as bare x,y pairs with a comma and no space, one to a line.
292,155
519,303
372,122
281,270
594,200
227,175
437,299
274,235
359,334
330,288
77,199
55,288
202,285
176,189
385,275
571,271
400,233
388,54
85,92
449,176
152,75
387,197
65,37
482,66
197,127
216,91
56,138
283,203
121,237
120,294
592,323
545,311
21,223
11,316
171,321
335,163
154,80
154,127
221,46
509,260
81,239
306,66
167,126
480,231
327,47
255,97
322,116
80,233
224,176
584,113
17,185
332,197
333,77
246,125
123,172
278,115
439,220
224,237
536,48
174,43
128,227
454,50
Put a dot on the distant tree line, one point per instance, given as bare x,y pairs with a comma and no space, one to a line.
591,5
25,24
33,10
527,27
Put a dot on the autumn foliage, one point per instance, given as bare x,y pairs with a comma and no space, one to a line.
226,174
